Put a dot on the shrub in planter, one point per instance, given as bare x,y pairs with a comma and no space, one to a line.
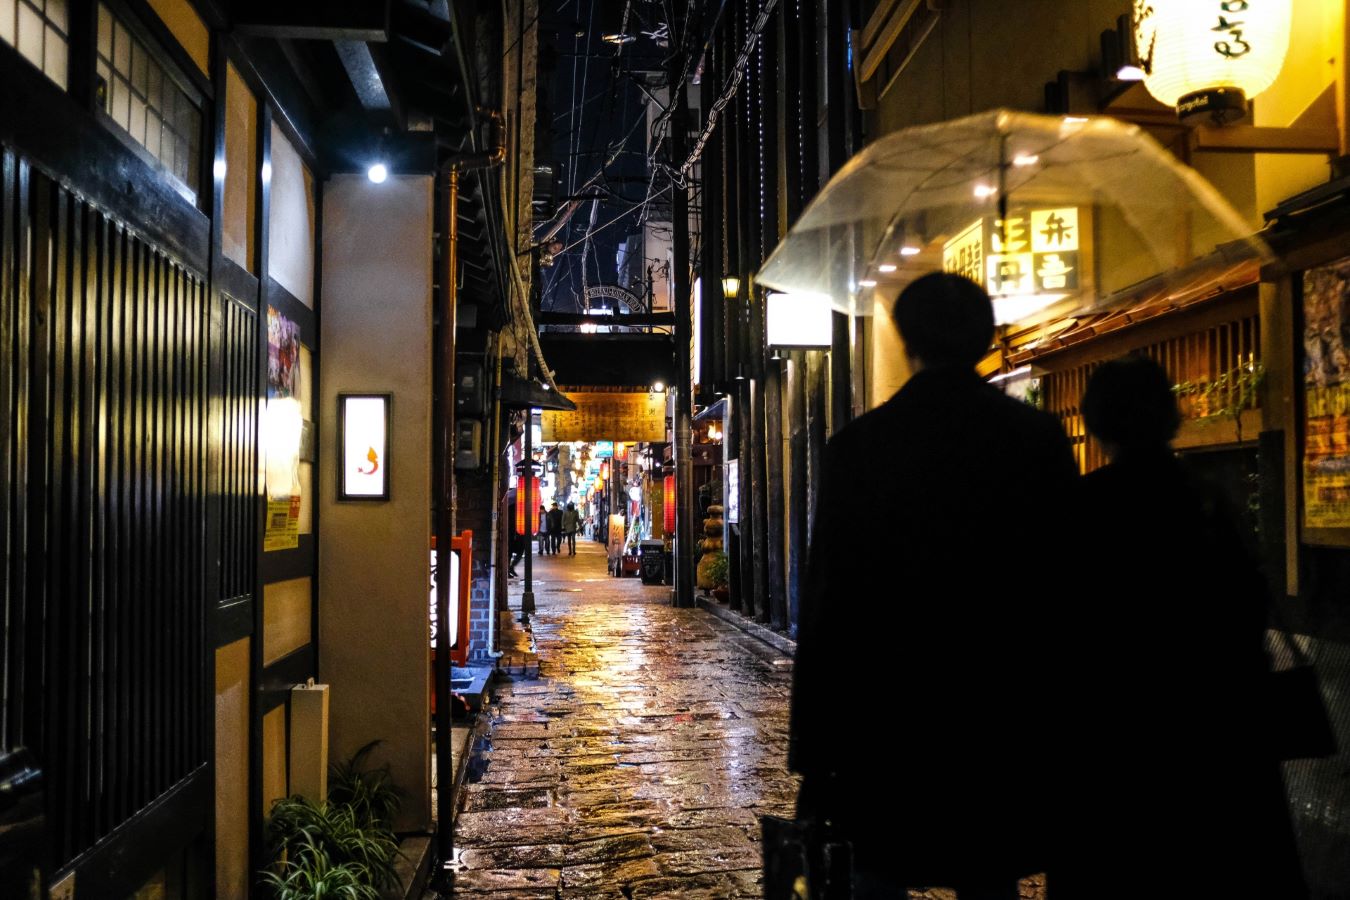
344,847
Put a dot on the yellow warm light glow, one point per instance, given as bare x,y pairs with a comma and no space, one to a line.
1187,46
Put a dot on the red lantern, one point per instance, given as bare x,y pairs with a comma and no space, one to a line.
534,505
668,504
604,470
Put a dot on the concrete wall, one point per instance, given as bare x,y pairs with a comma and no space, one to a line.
373,610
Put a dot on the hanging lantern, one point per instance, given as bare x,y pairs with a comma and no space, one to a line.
1209,57
668,504
520,504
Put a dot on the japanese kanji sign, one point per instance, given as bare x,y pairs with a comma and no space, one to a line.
1030,252
608,416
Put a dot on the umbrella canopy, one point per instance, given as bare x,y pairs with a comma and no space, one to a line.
1049,213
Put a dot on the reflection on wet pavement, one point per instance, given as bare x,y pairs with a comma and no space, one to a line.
638,763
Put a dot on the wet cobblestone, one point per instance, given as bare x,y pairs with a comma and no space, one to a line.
638,763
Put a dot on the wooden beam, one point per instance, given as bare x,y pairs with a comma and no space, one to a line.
1261,139
640,320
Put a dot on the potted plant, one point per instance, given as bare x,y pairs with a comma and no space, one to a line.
713,574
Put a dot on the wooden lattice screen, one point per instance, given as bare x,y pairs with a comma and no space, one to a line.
1198,360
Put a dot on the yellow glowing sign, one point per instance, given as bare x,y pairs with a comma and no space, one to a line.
1027,253
964,254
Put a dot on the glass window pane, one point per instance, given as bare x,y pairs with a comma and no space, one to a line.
106,74
154,95
7,15
55,63
140,65
153,131
121,59
137,126
121,103
105,32
30,34
56,13
166,156
185,121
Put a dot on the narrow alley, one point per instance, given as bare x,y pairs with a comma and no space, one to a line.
639,761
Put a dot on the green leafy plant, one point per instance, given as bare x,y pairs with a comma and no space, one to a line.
369,792
1226,396
298,831
719,569
310,874
343,848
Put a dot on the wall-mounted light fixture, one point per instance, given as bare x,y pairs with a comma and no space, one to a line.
731,287
799,321
1207,58
363,435
378,172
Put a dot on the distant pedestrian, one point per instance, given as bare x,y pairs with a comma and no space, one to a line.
1172,628
942,778
545,542
515,542
555,527
571,519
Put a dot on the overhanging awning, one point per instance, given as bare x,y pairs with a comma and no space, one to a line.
520,393
715,411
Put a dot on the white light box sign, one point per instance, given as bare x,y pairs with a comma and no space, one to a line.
799,321
363,434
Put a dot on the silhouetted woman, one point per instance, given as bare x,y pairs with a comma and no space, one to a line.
1179,797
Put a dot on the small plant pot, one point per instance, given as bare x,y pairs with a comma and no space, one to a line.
721,594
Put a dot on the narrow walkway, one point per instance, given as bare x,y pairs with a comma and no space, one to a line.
637,765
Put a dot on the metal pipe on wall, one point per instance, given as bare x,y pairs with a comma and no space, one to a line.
443,460
684,401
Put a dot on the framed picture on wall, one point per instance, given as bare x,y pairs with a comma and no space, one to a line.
363,441
1325,425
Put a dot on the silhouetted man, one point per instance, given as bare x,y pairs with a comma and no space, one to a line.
920,688
555,527
1178,667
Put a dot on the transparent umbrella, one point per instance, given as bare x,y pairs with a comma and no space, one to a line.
1052,214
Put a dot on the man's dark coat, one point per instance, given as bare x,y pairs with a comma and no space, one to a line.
926,630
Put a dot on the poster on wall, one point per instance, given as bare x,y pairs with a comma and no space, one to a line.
1326,386
282,432
283,524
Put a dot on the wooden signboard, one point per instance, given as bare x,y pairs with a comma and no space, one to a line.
601,416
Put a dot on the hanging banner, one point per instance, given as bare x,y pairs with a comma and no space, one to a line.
630,418
1326,385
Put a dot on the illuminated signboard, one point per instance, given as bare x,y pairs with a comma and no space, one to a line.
1033,253
363,432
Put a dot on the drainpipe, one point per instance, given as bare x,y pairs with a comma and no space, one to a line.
445,459
496,450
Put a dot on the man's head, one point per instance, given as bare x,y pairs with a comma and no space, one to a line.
946,321
1129,405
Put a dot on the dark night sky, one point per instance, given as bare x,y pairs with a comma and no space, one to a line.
590,101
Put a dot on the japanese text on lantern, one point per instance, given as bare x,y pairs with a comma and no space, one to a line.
608,416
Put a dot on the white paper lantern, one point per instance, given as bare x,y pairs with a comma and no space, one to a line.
1207,57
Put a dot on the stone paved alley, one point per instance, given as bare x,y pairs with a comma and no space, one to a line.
639,761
